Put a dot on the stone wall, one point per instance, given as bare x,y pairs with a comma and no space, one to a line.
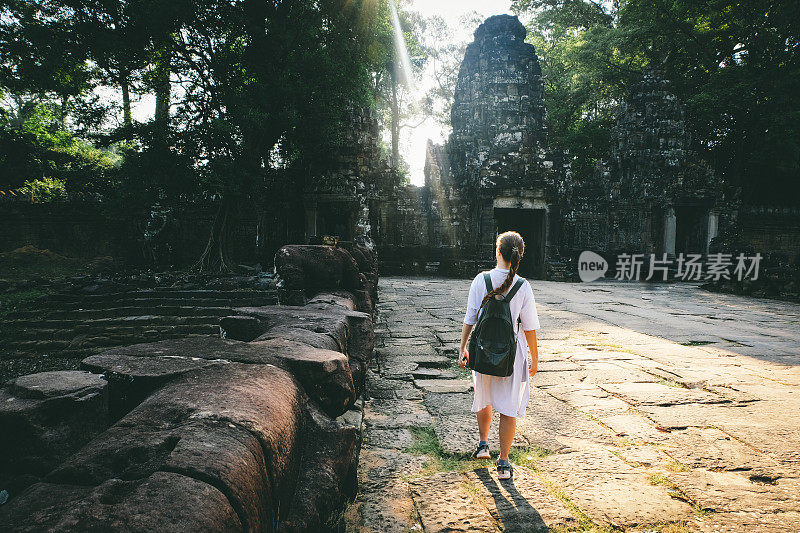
255,431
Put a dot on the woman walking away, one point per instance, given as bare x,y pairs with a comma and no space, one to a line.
508,395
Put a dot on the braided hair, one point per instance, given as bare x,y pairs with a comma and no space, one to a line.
511,247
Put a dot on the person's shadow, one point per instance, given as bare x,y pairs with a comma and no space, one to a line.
515,511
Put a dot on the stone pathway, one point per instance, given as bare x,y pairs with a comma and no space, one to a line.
656,408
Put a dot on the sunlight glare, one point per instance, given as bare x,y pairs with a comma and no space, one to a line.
400,47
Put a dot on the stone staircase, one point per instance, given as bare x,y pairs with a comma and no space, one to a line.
75,325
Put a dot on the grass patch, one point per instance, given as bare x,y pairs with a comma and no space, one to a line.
527,457
677,493
659,479
671,383
664,527
14,301
438,460
581,528
472,490
677,466
697,343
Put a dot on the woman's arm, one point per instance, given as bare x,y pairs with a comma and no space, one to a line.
463,356
533,348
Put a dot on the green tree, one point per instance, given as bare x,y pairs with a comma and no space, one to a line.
734,66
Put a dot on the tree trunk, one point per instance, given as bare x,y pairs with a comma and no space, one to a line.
126,105
163,68
63,111
216,256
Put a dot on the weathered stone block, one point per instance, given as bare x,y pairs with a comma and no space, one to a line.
44,418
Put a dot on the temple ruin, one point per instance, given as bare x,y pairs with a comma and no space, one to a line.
497,173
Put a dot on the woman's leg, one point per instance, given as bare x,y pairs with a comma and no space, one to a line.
484,421
508,424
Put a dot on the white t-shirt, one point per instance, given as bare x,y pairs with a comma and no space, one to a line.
522,304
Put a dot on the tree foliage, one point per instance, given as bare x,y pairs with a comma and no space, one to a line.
247,80
735,66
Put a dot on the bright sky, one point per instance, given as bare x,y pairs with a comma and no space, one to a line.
413,142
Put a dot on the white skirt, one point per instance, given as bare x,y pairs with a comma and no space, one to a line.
509,395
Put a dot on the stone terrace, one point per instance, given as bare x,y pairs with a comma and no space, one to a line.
656,407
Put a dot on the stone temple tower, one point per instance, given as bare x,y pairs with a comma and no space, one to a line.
498,113
497,150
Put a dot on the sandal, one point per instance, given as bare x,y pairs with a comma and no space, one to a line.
482,452
504,471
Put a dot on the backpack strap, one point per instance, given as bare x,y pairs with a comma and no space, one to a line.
514,289
488,279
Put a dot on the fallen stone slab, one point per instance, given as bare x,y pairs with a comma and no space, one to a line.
351,330
303,336
522,504
611,491
328,475
660,395
331,322
315,268
713,449
164,501
132,378
44,418
59,383
587,397
445,502
395,413
444,385
745,522
736,492
636,427
553,425
237,427
432,373
384,502
139,369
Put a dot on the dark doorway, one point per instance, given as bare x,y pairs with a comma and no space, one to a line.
335,218
530,223
690,229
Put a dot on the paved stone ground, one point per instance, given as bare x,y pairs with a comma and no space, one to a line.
656,408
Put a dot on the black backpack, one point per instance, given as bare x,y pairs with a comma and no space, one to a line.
493,344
